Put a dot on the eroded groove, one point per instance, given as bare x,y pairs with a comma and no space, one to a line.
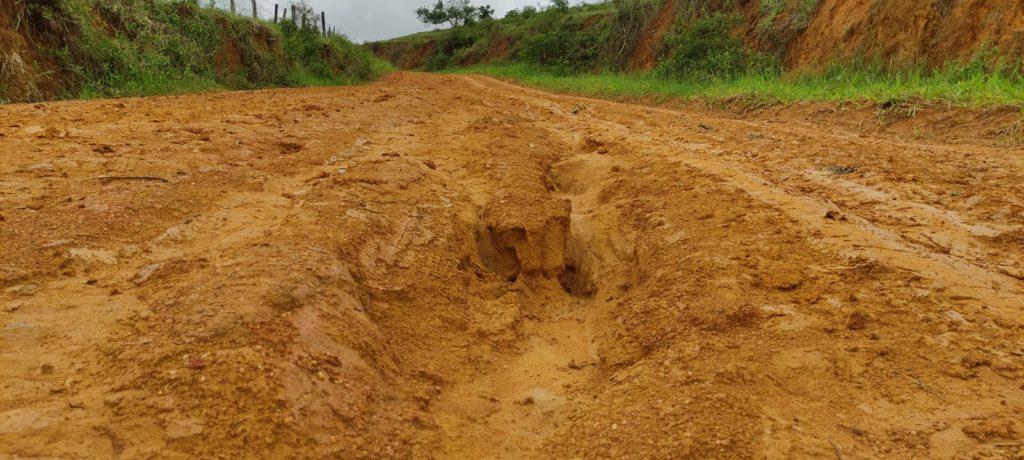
491,274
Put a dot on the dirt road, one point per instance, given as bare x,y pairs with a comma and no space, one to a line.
455,267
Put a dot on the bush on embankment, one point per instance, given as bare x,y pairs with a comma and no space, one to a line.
729,48
91,48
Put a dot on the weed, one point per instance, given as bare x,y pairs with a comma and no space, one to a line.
704,50
769,13
631,17
1013,133
805,10
841,83
565,46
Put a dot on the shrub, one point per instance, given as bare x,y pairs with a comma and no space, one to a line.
804,12
563,46
705,50
631,17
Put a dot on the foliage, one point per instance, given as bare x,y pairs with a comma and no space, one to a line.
561,5
455,13
704,50
957,84
94,48
630,18
562,45
557,38
486,12
583,49
450,46
769,13
804,12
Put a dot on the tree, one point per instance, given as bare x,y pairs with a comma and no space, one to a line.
560,5
432,16
485,12
454,12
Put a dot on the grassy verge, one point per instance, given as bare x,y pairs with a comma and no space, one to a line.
958,86
63,49
586,51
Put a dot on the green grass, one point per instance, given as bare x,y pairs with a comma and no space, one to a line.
121,48
955,86
150,85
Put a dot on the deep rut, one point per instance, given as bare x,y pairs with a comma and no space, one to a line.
513,409
456,267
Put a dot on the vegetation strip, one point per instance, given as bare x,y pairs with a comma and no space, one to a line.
100,48
969,90
677,48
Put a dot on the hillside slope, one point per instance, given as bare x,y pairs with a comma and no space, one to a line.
83,48
802,34
907,31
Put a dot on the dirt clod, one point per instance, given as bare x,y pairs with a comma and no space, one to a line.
986,430
858,320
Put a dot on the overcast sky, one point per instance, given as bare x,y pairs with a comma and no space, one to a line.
370,20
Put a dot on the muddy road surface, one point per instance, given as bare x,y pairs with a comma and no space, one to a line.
456,267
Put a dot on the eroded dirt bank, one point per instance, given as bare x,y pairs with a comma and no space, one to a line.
455,267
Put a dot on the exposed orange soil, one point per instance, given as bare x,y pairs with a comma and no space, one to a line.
648,47
908,31
456,267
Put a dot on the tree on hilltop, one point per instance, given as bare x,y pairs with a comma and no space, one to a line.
453,12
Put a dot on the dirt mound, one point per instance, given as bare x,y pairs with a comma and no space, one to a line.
496,272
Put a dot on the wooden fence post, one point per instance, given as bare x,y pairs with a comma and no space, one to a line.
323,21
232,6
254,14
275,13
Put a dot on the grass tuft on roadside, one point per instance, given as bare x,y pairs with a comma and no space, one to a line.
954,85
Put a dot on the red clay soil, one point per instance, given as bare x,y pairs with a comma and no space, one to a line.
928,31
228,59
24,73
404,55
456,267
648,47
499,50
